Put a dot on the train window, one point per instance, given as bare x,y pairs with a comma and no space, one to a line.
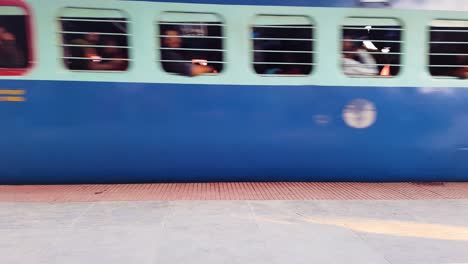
282,45
191,43
449,49
14,42
94,39
371,47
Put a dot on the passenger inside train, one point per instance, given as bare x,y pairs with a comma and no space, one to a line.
371,50
97,54
13,44
356,59
173,59
96,46
81,49
110,58
9,53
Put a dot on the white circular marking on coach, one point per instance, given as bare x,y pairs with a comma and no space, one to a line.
360,113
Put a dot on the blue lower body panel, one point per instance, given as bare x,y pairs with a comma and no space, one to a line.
96,132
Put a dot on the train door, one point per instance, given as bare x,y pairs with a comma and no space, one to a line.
16,59
15,35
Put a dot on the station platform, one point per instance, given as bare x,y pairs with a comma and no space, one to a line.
234,191
330,223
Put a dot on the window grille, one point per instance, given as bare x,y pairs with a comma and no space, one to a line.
371,47
191,43
448,49
94,39
282,45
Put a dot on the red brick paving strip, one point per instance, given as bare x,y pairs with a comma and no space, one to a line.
233,191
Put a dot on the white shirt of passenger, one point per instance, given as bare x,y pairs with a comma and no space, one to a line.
368,66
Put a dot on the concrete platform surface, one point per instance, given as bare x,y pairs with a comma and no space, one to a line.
224,232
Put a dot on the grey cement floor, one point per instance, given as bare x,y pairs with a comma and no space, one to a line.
219,232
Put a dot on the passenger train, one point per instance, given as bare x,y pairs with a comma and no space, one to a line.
123,91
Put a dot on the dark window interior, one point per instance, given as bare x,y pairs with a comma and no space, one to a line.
450,57
282,54
112,30
201,44
13,53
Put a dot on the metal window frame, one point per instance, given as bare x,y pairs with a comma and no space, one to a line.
61,32
400,41
312,26
159,36
430,41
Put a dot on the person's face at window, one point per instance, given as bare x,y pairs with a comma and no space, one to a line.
5,35
348,46
174,41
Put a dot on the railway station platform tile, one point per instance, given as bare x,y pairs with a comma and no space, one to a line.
403,230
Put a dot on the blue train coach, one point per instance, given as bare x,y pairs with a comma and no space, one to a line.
233,90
